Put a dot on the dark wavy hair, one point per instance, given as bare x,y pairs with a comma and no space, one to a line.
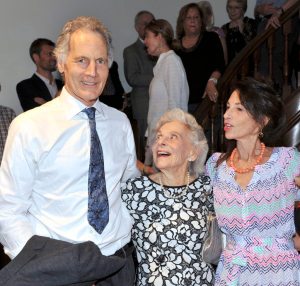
164,28
181,17
261,101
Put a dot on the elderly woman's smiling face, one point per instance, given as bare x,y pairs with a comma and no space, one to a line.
173,147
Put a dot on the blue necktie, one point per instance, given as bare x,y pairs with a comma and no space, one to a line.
98,208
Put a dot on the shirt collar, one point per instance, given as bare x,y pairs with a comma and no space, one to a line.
74,106
44,79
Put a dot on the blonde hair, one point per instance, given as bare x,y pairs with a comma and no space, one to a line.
243,3
207,11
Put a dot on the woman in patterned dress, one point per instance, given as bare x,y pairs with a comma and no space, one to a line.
169,208
254,191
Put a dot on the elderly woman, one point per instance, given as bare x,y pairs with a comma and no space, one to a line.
169,87
255,191
240,30
169,208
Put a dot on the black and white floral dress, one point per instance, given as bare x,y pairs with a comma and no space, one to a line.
168,233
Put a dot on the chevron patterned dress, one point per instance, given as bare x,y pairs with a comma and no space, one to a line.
258,221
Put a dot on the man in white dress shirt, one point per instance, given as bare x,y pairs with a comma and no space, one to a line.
45,167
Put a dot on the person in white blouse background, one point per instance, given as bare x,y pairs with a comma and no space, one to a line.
45,168
169,87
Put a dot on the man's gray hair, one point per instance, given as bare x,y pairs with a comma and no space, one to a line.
196,137
83,22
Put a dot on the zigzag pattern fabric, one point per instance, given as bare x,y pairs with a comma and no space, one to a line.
258,221
98,208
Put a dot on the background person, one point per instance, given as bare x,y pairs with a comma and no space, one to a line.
46,177
274,9
240,30
6,117
169,86
170,207
201,53
138,70
42,86
255,192
267,13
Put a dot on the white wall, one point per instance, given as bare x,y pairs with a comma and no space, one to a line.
23,21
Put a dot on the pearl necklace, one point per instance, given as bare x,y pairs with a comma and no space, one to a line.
249,169
168,194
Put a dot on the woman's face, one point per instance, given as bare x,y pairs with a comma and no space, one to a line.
173,148
153,43
238,123
192,22
235,10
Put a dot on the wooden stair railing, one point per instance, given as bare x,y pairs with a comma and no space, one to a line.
292,128
210,113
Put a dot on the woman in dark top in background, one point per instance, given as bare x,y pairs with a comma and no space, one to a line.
201,53
240,30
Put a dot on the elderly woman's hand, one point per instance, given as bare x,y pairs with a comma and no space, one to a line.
144,169
148,170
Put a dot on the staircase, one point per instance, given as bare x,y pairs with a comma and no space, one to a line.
212,113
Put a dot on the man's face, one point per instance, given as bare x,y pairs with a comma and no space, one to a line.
86,66
46,59
142,22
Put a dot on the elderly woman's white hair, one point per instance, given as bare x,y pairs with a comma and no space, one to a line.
197,136
83,22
